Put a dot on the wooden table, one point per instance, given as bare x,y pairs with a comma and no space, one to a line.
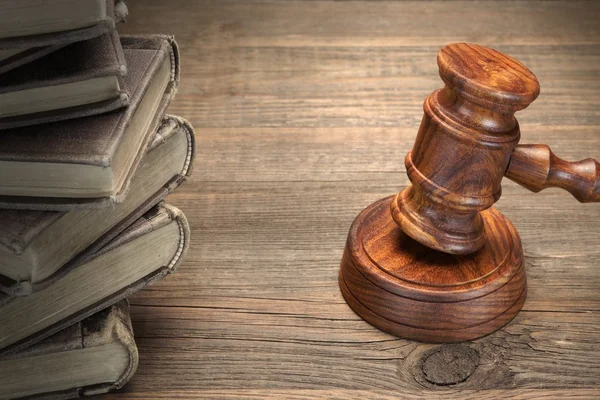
304,112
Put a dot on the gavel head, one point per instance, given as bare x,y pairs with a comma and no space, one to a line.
463,147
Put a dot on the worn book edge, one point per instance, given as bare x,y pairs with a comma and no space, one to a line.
168,44
170,125
115,11
118,69
31,54
110,325
158,217
116,327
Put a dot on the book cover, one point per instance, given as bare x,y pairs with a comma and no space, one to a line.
93,356
42,86
11,58
145,252
99,153
37,248
112,11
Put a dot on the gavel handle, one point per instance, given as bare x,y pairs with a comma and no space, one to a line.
536,167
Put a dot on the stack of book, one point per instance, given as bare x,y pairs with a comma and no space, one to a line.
87,155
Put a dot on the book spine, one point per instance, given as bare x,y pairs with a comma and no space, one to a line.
116,327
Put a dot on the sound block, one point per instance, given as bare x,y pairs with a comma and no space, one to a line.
414,292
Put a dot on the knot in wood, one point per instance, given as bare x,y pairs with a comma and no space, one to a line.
450,364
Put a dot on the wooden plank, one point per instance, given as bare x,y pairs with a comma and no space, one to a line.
341,394
288,319
245,209
326,90
304,113
227,82
353,154
241,350
219,23
238,228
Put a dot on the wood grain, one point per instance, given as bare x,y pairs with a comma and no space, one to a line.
414,292
536,167
463,147
304,112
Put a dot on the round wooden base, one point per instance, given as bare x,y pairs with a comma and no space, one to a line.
411,291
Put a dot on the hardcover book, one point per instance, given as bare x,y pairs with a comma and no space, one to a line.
30,48
88,162
90,357
26,24
143,253
37,248
88,73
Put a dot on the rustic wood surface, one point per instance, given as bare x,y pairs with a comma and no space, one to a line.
304,112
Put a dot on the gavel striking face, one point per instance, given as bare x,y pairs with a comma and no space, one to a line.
467,142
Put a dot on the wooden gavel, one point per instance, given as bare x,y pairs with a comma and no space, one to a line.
444,265
467,142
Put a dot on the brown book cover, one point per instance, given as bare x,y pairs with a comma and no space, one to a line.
96,142
116,10
79,62
24,234
108,327
150,248
32,51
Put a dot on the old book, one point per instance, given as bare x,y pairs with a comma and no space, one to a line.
88,73
37,248
25,24
14,53
90,357
143,253
87,162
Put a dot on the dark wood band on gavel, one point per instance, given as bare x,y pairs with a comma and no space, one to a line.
466,144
